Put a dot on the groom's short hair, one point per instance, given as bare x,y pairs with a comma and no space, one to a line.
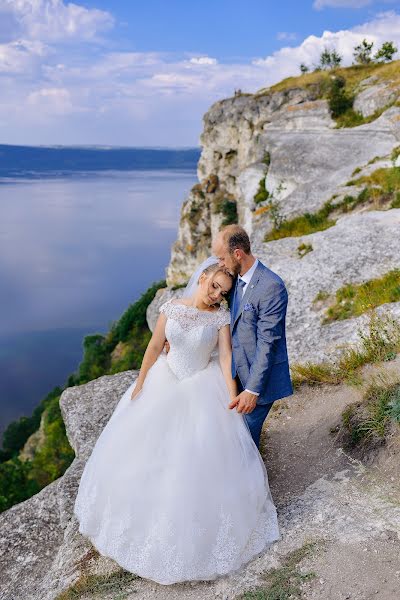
234,237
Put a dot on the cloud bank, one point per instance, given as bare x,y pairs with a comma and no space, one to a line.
56,90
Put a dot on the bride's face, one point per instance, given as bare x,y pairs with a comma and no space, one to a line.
214,287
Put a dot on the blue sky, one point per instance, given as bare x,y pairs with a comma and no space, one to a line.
143,73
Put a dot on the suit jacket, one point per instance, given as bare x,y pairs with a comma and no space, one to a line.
259,352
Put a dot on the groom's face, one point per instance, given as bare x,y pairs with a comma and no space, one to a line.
226,259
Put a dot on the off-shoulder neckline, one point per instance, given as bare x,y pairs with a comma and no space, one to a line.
212,312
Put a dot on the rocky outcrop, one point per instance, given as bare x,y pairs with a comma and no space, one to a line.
289,139
40,546
286,143
373,98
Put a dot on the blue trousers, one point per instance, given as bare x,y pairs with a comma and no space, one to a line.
255,420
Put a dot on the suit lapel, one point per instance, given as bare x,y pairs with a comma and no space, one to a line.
249,291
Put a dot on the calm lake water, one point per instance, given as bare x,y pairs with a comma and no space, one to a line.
75,251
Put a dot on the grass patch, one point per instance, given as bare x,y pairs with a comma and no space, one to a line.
366,424
380,342
386,179
266,159
395,154
353,300
115,583
351,118
285,582
321,296
304,249
301,225
320,80
382,189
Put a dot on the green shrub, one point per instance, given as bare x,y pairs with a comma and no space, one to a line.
229,210
262,193
17,432
366,423
15,483
338,99
55,455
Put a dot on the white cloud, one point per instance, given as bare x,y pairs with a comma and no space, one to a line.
52,95
21,57
52,20
203,60
51,101
319,4
284,62
286,36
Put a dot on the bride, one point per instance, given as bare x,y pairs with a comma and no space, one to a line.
175,488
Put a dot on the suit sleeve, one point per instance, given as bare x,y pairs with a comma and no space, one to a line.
270,329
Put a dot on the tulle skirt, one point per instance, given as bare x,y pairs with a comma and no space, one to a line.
175,488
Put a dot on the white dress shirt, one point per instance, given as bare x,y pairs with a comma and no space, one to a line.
248,275
246,278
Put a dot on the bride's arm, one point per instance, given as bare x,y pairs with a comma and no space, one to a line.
153,351
225,359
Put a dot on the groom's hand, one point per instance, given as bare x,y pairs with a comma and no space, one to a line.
245,402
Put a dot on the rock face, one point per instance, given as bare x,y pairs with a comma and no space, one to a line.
40,546
288,142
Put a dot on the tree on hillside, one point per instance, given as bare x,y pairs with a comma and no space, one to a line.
362,52
386,52
303,68
338,99
329,59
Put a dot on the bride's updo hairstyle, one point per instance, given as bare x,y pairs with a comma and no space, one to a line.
212,270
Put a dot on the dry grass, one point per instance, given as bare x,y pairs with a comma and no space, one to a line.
380,342
367,424
285,582
353,75
92,585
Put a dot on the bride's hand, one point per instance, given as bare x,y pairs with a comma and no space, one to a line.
136,392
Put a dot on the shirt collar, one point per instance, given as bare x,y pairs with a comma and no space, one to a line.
249,274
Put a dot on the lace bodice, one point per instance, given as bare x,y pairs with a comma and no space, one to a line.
192,335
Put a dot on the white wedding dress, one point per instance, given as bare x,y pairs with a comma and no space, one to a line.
175,488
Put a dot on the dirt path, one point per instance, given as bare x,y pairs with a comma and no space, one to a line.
323,496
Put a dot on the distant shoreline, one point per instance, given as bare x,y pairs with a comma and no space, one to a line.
33,161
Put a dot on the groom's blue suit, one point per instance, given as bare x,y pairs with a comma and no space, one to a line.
259,354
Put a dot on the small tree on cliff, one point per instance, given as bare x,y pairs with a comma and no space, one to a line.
329,59
304,69
386,52
362,52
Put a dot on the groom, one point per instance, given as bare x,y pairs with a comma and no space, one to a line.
258,312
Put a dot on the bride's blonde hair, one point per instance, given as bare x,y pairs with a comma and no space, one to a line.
213,270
